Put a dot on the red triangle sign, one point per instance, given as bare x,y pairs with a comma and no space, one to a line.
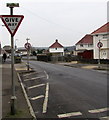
12,22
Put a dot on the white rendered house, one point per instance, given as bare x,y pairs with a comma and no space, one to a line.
86,43
102,35
56,49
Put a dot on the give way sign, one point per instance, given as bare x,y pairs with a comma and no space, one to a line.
12,22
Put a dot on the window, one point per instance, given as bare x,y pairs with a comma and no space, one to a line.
105,36
104,53
81,45
55,48
90,45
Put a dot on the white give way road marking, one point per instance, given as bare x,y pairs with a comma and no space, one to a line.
35,78
98,110
36,86
69,114
38,97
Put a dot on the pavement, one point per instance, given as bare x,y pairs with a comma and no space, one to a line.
103,67
22,110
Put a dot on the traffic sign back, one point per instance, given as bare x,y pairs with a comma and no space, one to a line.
12,22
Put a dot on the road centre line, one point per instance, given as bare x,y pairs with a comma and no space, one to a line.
35,86
38,97
46,99
30,73
98,110
69,114
34,78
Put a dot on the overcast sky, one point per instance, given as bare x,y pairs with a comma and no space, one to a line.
47,20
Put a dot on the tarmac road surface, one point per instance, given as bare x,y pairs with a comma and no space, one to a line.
63,92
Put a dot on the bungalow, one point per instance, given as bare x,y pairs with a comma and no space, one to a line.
101,35
56,49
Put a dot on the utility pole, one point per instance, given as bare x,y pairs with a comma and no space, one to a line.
13,97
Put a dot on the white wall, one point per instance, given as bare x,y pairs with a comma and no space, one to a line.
104,51
56,50
84,47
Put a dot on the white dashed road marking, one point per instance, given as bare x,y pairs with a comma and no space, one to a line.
46,99
104,118
30,73
69,114
35,86
38,97
34,78
46,74
98,110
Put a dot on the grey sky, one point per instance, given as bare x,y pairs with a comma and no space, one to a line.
67,21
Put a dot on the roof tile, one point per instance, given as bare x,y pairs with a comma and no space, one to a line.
56,45
102,29
87,39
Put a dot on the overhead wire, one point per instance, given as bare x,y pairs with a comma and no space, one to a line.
50,21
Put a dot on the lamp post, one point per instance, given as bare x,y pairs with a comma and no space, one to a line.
13,97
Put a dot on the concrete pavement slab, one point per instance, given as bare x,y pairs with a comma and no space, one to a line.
22,110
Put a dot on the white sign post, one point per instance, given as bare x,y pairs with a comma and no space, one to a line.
27,46
99,45
12,23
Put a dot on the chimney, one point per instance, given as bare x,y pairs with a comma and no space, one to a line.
56,40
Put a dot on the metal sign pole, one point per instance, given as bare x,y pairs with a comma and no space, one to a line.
99,59
27,55
13,97
27,59
99,47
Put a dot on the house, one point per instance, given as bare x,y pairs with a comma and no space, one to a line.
102,35
56,49
84,47
7,48
22,51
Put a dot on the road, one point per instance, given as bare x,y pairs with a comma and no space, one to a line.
57,91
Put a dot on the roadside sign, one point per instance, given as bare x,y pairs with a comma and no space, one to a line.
99,44
27,45
12,22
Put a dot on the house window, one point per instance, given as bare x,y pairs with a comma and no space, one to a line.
105,36
90,45
55,48
81,45
104,53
